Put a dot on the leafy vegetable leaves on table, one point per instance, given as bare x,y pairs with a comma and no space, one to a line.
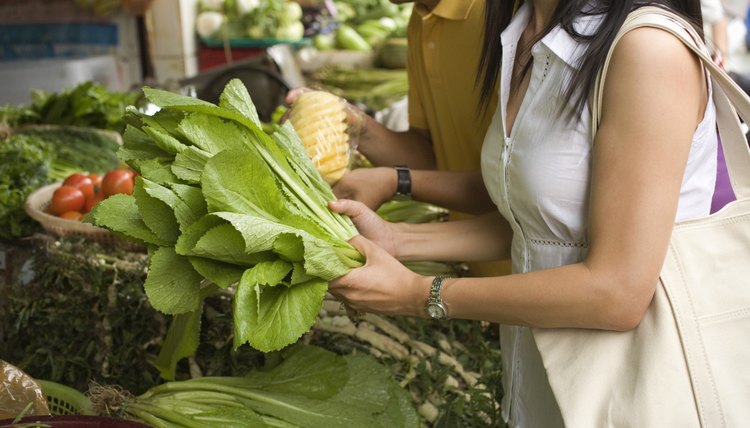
312,387
220,202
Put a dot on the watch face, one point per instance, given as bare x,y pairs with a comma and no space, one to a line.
436,311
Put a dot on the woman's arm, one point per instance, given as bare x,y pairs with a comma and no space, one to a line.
481,238
455,190
653,100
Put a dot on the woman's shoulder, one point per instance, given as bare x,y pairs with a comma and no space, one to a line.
655,49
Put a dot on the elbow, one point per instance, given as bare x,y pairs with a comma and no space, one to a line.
626,304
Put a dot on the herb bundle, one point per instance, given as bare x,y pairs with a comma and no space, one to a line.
220,203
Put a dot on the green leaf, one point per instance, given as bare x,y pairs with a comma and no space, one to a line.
372,389
181,341
164,141
172,285
119,213
165,120
156,170
270,318
299,275
137,145
222,274
169,99
229,417
309,371
224,243
288,139
236,181
195,232
212,133
156,214
269,273
188,165
236,98
166,99
321,258
191,206
289,246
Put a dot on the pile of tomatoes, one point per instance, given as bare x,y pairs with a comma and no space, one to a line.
80,192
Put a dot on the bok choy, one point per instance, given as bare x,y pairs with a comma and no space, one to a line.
220,203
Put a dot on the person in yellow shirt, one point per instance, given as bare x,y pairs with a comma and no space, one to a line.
437,159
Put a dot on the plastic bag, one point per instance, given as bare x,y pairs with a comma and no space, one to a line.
329,127
19,393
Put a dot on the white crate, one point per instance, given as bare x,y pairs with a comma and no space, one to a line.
18,78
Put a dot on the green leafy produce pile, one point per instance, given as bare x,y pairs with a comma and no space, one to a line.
220,202
311,387
87,105
376,88
84,317
32,157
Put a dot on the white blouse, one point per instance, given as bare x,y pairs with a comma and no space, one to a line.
539,178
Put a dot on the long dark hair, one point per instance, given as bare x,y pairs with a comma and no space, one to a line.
498,14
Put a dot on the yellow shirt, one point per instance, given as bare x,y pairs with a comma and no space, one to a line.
445,46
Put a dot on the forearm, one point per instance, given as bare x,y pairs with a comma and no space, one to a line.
568,296
720,36
482,238
457,191
384,147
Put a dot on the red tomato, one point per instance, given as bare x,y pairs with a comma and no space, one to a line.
67,198
96,180
117,181
72,215
90,202
82,182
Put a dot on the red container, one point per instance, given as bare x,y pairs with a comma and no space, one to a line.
55,421
209,57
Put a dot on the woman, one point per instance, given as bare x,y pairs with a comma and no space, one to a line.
586,222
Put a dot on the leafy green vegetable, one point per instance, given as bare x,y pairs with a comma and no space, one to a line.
88,105
24,167
237,207
312,387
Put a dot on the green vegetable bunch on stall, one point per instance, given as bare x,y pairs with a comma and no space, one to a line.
221,203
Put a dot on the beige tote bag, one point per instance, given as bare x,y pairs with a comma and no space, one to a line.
688,362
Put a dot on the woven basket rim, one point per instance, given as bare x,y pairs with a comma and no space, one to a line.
38,201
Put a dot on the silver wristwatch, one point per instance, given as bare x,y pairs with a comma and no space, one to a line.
435,305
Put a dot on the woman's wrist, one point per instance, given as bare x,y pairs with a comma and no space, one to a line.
420,287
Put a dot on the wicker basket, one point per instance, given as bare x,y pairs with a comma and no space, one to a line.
64,400
36,204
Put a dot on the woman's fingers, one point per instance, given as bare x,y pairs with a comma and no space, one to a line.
292,95
348,207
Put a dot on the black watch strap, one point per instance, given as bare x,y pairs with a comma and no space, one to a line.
403,183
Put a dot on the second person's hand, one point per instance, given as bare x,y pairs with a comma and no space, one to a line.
371,186
368,223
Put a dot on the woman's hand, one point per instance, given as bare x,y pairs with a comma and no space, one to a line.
383,285
368,223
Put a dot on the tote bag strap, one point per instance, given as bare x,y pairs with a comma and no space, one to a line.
727,94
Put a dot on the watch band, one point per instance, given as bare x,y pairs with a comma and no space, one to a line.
403,183
436,308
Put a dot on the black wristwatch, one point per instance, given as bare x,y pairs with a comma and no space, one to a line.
403,183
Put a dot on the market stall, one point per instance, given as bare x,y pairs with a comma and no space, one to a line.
165,249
